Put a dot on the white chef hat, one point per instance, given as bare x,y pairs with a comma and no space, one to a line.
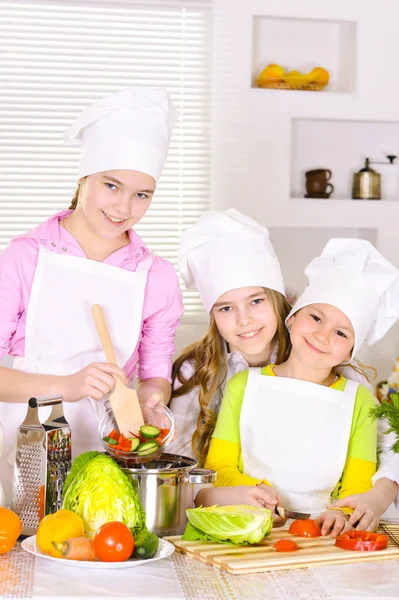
353,276
129,129
227,250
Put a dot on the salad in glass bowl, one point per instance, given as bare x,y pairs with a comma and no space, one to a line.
148,443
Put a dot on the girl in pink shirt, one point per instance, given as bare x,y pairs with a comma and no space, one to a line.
51,276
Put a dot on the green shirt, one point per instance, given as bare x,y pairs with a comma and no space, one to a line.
362,443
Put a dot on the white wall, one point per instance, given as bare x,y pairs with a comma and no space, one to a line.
259,148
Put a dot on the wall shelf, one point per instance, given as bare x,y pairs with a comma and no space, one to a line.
315,213
342,146
302,44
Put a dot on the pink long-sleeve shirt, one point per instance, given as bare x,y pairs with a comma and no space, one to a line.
162,310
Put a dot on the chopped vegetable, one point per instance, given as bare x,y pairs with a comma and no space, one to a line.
113,542
305,528
155,435
362,540
145,544
237,524
149,431
102,492
110,441
147,448
78,548
134,444
285,546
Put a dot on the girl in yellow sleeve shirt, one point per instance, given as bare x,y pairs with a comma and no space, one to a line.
300,426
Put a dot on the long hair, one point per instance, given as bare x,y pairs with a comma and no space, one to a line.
359,368
209,363
75,199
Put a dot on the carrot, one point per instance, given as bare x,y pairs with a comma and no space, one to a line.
79,548
162,435
114,434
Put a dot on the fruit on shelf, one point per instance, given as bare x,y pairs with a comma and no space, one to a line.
293,75
274,76
319,74
272,71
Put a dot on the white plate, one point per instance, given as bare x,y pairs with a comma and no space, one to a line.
164,549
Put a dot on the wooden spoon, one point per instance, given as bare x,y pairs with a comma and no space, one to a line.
124,401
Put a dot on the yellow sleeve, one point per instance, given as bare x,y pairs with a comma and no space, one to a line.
223,457
360,464
225,448
356,478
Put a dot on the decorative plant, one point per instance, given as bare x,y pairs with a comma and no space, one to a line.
389,409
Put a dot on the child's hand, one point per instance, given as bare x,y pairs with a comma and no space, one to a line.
154,398
334,520
369,507
270,500
97,380
258,495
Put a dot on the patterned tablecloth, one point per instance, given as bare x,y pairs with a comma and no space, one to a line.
22,575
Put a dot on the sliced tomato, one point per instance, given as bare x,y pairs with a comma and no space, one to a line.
305,528
362,540
285,546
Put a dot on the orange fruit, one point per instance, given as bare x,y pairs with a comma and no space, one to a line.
10,524
272,71
58,527
320,74
10,529
6,544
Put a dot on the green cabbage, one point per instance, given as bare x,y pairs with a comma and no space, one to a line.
78,464
100,492
237,524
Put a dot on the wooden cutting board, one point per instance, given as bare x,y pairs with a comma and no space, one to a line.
263,557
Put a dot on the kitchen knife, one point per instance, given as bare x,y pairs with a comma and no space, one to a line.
290,514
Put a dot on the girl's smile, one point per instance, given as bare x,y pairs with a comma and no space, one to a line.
321,336
114,220
246,320
313,347
250,335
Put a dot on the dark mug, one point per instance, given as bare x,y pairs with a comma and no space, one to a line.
317,182
319,174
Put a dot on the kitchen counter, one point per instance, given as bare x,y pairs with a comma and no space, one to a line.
23,575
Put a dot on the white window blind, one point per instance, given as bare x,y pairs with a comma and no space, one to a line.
57,57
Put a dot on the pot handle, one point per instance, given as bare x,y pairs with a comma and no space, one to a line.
201,476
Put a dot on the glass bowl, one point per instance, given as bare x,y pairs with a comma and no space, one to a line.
159,416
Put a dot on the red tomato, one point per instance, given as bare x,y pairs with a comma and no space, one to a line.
113,542
305,528
362,540
285,546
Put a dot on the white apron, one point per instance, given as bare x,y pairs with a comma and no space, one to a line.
61,338
295,434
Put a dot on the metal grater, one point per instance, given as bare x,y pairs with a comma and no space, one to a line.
43,461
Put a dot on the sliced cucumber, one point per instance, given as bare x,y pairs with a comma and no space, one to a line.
149,432
135,443
147,448
110,440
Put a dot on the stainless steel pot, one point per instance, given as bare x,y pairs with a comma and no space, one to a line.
166,489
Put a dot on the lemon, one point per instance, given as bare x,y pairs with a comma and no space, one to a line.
319,74
272,71
58,527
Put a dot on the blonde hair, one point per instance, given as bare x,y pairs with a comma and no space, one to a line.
358,367
209,362
75,199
